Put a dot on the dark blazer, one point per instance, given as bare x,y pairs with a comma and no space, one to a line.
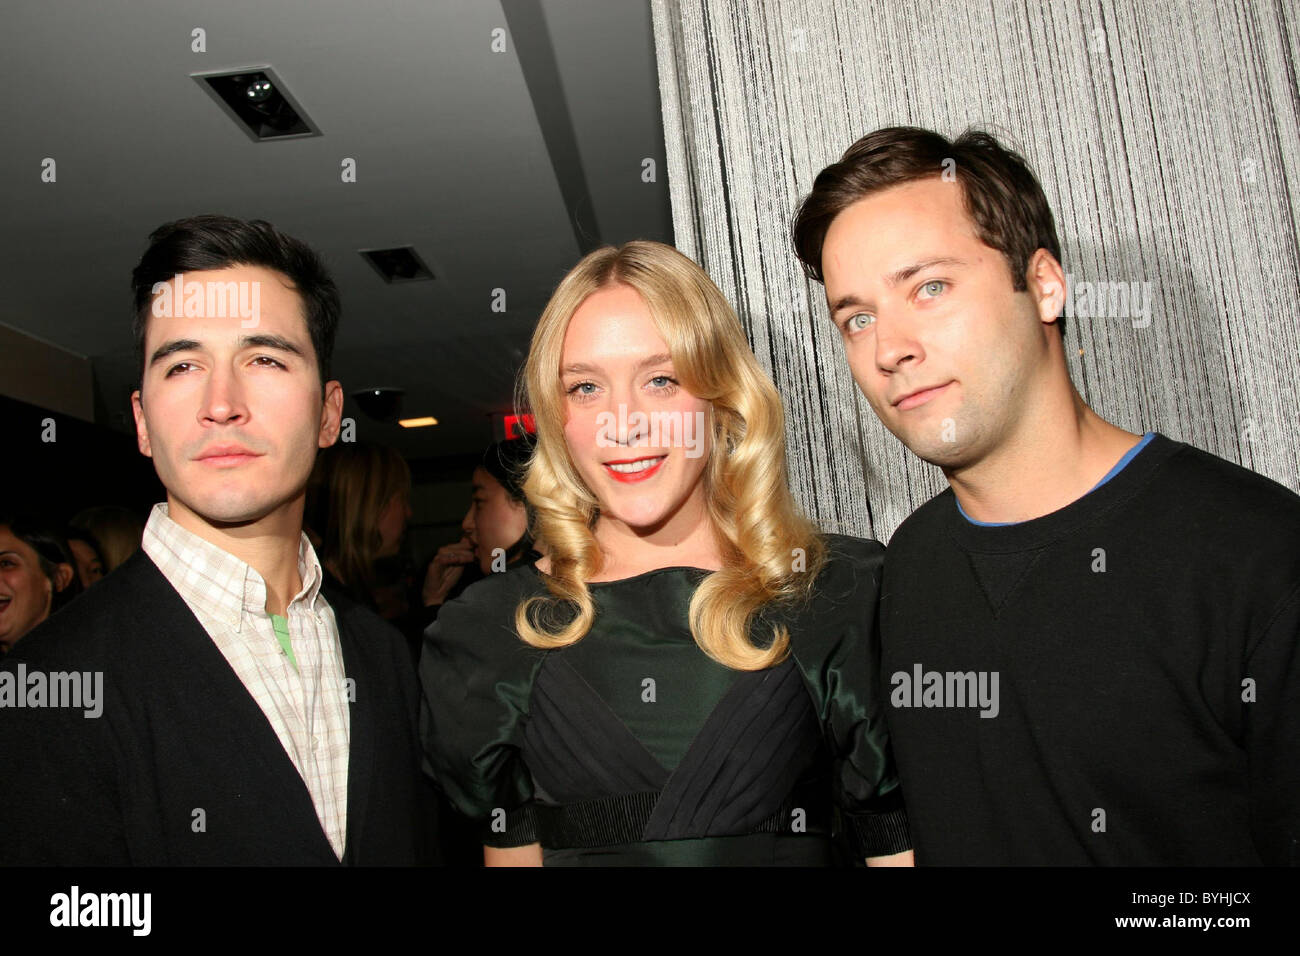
182,767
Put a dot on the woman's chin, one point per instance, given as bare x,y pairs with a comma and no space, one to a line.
640,520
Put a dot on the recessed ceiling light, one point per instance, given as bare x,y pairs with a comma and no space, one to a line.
402,264
259,103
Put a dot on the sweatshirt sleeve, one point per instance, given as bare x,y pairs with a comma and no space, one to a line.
1272,734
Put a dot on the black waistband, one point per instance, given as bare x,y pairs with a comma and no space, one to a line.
622,819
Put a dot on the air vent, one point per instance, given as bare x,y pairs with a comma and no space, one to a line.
259,103
397,265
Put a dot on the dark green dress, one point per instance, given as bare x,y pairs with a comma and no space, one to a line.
632,747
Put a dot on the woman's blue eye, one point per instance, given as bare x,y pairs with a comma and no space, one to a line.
933,287
667,379
581,385
853,325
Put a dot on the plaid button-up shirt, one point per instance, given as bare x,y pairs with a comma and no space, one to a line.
308,707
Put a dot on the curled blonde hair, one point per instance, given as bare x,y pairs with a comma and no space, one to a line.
759,529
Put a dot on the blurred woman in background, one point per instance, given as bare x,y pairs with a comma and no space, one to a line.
361,518
116,531
86,552
37,577
495,528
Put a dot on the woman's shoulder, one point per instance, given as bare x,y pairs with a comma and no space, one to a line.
852,548
481,620
852,564
841,604
517,582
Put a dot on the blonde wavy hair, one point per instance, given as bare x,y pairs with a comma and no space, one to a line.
759,529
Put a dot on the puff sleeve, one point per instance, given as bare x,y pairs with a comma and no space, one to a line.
836,644
476,676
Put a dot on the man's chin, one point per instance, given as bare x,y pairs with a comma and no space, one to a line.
229,512
935,451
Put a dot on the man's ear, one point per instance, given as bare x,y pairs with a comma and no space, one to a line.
141,429
1045,280
331,415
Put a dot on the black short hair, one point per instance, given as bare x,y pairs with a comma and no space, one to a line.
1002,196
201,243
507,461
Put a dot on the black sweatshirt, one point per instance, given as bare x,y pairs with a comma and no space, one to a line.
1117,682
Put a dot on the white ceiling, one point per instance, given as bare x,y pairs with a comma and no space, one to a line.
452,156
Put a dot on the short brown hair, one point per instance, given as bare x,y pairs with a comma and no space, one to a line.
1002,196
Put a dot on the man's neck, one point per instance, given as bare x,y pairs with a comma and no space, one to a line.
269,545
1047,463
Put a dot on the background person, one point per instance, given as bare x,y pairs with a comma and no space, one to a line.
85,550
37,577
495,528
117,531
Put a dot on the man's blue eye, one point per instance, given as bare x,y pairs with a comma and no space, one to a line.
933,287
853,325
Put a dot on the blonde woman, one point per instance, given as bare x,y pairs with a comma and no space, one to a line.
690,674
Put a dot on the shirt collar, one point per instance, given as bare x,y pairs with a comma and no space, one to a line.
216,582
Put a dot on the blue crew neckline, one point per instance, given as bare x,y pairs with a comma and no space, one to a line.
1119,466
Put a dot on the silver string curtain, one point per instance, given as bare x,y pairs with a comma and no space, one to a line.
1165,135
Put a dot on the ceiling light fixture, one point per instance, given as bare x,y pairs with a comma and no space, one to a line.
259,102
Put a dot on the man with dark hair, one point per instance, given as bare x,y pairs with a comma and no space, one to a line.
1090,638
248,715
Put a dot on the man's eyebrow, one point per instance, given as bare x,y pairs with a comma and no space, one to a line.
844,301
269,342
263,341
894,278
660,358
905,273
171,348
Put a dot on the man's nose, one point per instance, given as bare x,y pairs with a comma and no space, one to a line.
223,399
896,344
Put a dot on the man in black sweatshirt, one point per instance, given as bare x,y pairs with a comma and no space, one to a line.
1090,638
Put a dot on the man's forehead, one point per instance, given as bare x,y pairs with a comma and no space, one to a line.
226,305
884,237
911,209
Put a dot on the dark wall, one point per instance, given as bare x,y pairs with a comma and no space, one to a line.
84,464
